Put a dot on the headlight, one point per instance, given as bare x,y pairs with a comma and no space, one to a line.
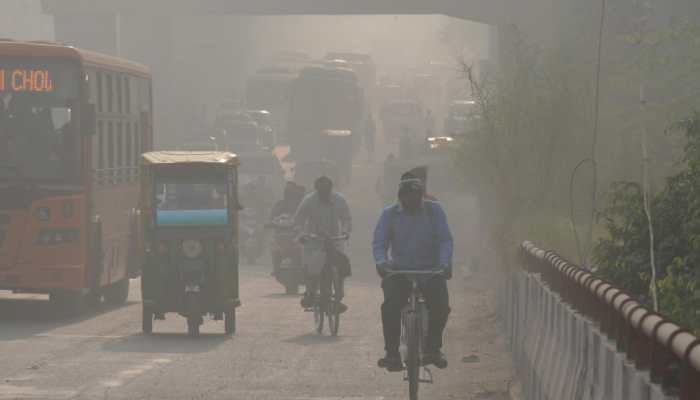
191,248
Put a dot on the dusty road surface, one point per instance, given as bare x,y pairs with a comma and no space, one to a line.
274,354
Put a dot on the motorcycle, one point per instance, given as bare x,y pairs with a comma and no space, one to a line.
286,255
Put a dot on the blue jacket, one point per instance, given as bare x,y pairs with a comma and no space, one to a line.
420,241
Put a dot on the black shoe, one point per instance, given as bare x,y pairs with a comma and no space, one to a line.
341,308
391,362
435,358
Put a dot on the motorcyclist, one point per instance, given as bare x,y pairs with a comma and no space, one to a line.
322,212
291,197
282,211
416,234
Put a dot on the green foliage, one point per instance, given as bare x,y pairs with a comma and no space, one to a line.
623,256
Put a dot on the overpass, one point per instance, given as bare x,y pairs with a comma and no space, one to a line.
492,12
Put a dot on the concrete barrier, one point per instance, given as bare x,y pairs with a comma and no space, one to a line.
560,354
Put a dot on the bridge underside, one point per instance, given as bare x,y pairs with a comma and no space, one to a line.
485,11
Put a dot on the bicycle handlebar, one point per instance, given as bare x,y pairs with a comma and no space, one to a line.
408,273
323,238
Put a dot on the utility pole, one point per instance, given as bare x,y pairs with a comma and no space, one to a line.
646,186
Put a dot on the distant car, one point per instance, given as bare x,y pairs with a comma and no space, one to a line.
237,132
461,118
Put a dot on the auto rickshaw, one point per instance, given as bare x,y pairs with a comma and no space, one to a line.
189,207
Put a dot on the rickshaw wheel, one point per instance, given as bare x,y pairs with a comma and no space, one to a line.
291,288
147,320
230,322
193,327
117,293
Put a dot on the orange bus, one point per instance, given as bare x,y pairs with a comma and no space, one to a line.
72,126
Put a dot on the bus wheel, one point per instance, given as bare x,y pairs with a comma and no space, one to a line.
117,293
230,322
291,288
93,299
68,303
147,320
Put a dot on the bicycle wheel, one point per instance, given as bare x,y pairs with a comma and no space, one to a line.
412,354
333,314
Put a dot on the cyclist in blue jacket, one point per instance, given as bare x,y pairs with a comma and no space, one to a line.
413,234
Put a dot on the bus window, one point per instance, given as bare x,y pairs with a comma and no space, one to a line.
144,95
127,150
110,92
100,149
137,141
118,85
39,137
127,94
92,87
118,139
110,151
100,99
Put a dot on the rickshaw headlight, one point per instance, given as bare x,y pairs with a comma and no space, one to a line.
191,248
220,248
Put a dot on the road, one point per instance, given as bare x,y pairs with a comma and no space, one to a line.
274,354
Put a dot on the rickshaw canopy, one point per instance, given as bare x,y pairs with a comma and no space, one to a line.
189,157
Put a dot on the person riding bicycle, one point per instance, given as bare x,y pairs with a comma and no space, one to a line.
322,212
416,234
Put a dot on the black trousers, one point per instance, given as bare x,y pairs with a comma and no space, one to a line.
313,284
397,290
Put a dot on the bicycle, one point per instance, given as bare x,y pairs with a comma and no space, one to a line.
414,322
326,306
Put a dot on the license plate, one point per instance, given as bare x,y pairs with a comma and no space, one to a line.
191,288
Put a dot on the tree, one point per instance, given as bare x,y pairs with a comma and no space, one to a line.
623,256
528,115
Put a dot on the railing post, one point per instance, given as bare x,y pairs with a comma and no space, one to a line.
690,383
650,341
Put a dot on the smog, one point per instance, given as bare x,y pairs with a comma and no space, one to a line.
348,200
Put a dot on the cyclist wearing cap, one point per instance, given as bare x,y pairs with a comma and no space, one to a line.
322,212
413,234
